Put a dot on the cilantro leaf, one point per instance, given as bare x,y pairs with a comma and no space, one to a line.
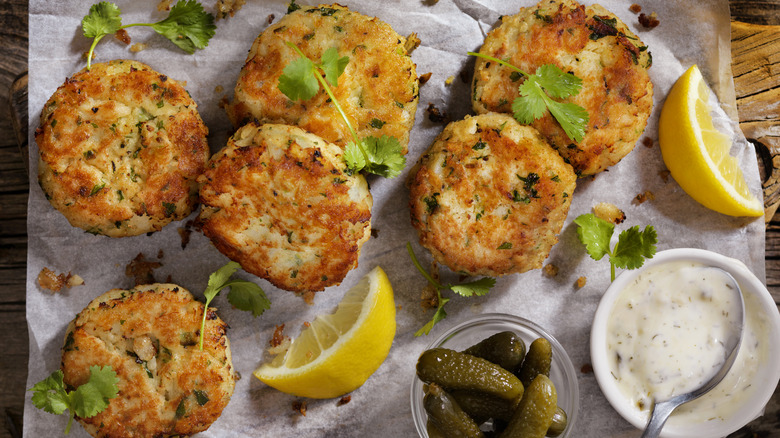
332,65
595,234
530,105
188,26
248,296
243,294
384,155
297,81
556,83
479,287
572,117
355,157
633,247
103,19
86,401
438,316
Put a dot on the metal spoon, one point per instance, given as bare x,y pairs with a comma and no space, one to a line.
663,409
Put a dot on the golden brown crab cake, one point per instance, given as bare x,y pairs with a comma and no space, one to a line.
121,147
378,89
490,196
278,200
149,336
595,46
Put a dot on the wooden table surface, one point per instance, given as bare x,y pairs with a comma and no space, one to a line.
755,34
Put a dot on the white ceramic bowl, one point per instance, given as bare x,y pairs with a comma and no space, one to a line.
473,330
757,299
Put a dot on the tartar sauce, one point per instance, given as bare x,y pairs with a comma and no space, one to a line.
666,335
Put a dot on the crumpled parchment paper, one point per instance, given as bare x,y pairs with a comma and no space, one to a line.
688,33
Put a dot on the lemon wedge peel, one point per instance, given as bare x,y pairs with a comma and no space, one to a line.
697,154
338,352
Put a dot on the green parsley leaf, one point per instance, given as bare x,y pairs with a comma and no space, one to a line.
243,294
103,19
86,401
188,26
572,117
355,157
332,65
475,288
631,250
556,82
297,81
530,105
384,155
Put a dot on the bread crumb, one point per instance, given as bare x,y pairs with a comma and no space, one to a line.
271,18
647,142
228,8
586,369
449,80
649,21
642,197
219,89
424,78
344,400
635,8
50,280
300,406
581,282
412,42
164,5
435,115
279,342
137,47
664,174
550,270
122,36
609,212
141,269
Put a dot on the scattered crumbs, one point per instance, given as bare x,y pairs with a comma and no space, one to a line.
586,369
399,307
185,232
219,89
279,343
300,406
449,80
664,174
429,298
435,115
649,21
50,280
635,8
642,197
164,5
609,212
141,269
271,18
412,42
85,54
647,142
550,270
424,78
137,47
160,254
581,282
122,36
306,324
374,233
228,8
344,400
308,297
224,102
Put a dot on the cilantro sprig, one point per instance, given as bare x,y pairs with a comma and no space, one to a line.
243,294
474,288
187,25
301,80
630,251
86,401
537,94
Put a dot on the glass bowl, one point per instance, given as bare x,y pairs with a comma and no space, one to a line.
473,330
761,318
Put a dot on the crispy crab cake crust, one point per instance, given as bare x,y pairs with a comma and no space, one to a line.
277,200
149,336
378,89
611,61
121,146
490,196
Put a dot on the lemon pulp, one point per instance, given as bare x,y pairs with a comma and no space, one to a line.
338,352
697,154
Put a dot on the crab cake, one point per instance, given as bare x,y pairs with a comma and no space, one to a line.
378,90
149,336
489,196
121,147
595,46
277,200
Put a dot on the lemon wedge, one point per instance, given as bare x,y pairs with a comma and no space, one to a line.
697,154
338,352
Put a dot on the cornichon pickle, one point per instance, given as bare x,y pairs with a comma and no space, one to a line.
559,422
453,370
504,349
534,414
446,416
537,361
433,431
482,407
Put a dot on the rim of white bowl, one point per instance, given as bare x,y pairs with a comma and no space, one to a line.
750,283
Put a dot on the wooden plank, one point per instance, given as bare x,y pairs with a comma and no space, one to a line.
13,378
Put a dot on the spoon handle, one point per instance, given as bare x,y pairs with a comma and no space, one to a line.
658,417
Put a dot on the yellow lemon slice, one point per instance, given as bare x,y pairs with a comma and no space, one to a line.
338,352
697,154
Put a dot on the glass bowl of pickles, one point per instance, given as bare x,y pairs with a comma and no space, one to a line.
495,373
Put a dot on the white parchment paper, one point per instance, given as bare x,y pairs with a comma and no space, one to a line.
687,34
